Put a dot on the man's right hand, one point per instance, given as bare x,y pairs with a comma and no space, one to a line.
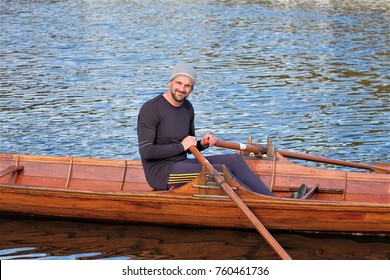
188,142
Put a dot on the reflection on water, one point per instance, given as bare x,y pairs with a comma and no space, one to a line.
42,239
312,74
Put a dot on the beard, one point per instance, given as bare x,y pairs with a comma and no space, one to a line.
178,97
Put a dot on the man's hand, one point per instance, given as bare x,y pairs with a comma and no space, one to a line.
208,140
188,142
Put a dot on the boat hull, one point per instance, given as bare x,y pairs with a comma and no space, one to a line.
199,203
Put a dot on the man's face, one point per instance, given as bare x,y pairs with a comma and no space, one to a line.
180,88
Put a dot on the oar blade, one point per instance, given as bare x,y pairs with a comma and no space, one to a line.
240,204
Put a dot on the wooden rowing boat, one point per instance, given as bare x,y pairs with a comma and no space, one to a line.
116,190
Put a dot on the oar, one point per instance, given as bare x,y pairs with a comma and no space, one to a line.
378,168
240,204
375,168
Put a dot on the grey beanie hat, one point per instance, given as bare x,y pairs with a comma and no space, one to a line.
184,69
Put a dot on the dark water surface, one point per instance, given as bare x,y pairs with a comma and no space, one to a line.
313,75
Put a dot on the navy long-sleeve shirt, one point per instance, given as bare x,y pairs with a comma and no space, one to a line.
161,128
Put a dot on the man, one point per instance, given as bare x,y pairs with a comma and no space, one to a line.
166,130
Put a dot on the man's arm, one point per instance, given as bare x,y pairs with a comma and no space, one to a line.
146,130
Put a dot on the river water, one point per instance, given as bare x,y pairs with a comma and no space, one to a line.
313,75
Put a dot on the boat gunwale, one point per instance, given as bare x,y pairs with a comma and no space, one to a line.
71,159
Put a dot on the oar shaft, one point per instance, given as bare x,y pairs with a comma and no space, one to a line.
257,149
237,200
322,159
239,146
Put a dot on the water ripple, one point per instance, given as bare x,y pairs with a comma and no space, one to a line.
311,74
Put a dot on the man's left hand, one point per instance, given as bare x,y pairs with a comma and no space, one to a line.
208,140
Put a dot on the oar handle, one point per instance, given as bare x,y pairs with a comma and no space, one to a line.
240,204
